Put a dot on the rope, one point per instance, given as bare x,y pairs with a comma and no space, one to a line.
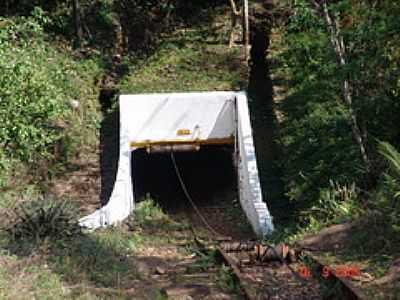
189,198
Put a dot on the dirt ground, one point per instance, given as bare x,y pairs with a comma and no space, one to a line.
335,247
169,263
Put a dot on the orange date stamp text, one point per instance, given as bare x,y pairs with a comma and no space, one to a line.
342,271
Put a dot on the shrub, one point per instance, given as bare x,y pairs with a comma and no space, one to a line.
148,215
392,156
147,212
37,84
30,103
45,218
336,204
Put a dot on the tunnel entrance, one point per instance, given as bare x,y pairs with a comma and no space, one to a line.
213,121
209,175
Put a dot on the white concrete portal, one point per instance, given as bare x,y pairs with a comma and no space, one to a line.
185,121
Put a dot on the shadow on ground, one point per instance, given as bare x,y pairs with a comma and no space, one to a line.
104,264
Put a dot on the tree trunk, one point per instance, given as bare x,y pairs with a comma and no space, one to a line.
340,51
77,23
246,29
235,14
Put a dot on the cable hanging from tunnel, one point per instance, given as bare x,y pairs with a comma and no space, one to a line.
189,198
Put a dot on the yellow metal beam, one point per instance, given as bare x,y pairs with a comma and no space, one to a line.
214,141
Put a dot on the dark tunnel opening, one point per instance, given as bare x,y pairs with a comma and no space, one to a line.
208,174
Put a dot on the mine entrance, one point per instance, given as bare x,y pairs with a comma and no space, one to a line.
209,175
215,121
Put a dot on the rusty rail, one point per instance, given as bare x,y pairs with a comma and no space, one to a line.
248,292
227,255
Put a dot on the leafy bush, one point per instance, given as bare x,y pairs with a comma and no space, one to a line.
386,197
37,83
316,132
392,178
31,103
45,218
337,203
148,211
149,215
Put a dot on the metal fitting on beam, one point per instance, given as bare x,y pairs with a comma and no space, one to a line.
172,148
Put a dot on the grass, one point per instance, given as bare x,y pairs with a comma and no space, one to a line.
101,264
104,262
35,282
9,195
187,62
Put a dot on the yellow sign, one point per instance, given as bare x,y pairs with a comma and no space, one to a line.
183,132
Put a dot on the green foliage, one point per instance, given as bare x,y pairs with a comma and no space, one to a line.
45,219
110,25
392,156
30,103
318,145
149,215
316,132
336,204
373,52
226,280
23,193
186,63
37,83
147,211
386,196
145,24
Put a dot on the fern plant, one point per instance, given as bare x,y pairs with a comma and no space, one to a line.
392,156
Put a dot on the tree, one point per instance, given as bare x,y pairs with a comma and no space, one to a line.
77,23
339,47
342,59
246,28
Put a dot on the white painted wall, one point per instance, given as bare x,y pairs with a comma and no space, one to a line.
158,117
250,193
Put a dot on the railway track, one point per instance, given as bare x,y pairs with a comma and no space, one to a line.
266,272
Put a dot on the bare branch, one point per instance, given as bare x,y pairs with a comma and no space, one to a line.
234,8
